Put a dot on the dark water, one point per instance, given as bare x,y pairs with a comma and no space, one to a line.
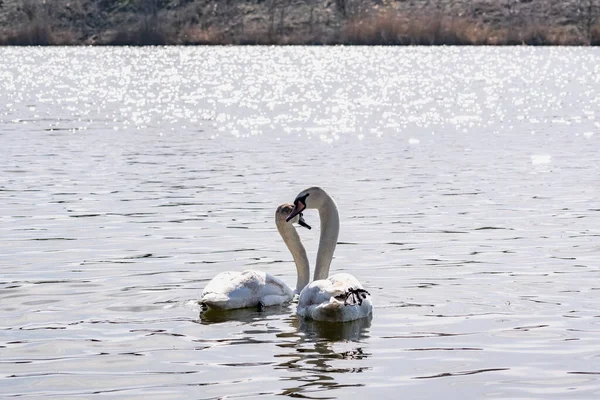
468,184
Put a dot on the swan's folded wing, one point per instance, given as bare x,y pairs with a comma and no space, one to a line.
230,290
220,282
344,281
276,287
317,292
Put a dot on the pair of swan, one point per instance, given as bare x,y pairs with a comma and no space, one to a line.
339,297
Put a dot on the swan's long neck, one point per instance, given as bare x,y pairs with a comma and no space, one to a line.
330,228
294,245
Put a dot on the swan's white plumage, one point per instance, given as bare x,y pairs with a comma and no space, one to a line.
231,290
325,299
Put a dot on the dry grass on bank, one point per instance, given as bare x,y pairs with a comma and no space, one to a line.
39,27
193,35
393,29
390,28
383,27
595,36
144,34
37,35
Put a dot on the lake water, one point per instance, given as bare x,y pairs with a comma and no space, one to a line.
468,181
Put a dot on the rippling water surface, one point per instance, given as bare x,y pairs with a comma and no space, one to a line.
468,181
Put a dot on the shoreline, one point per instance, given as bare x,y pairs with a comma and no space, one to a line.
300,22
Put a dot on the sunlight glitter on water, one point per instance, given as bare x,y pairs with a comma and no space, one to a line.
537,159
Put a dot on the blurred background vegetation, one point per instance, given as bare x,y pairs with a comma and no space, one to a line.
378,22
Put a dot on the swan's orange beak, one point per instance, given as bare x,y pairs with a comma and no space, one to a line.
298,208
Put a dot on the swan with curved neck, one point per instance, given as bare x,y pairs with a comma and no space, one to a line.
250,288
339,297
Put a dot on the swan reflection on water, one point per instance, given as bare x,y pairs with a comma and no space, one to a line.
312,354
244,315
313,360
334,331
305,330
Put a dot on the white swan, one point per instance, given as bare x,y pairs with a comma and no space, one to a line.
339,297
231,290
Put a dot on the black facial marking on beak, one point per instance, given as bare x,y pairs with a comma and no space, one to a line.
302,222
299,206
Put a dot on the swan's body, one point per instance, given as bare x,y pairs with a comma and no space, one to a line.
335,299
230,290
339,297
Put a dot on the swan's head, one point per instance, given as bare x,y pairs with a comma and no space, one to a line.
282,213
308,198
